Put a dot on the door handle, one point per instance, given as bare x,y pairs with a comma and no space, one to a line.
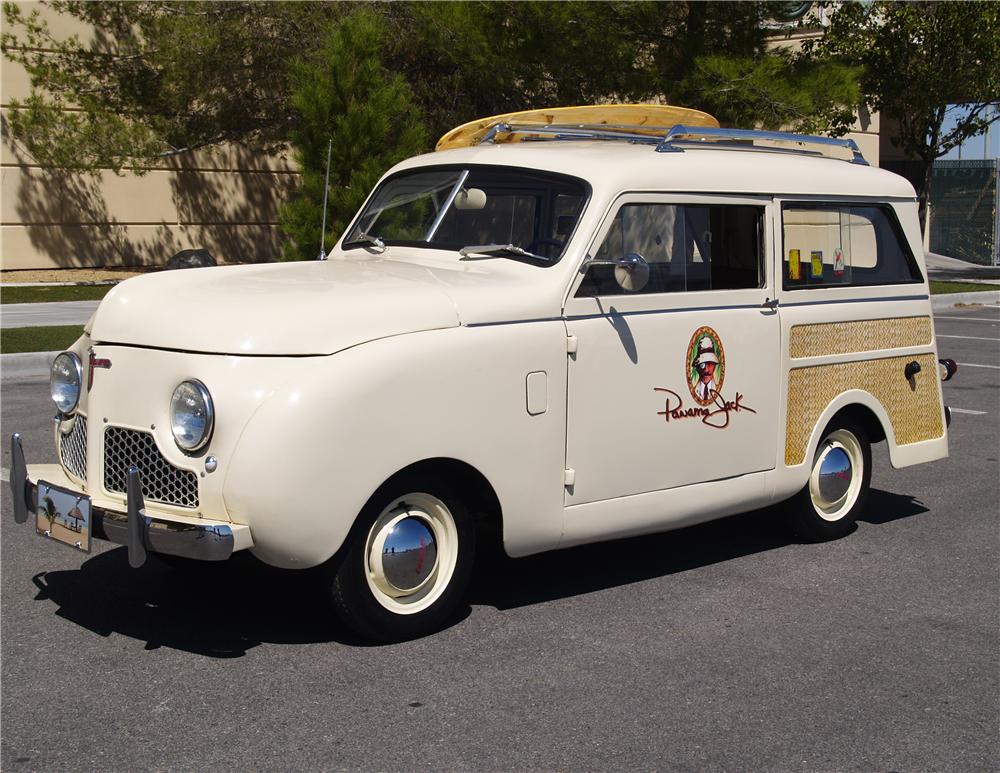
770,303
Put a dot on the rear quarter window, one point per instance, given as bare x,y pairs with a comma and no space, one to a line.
832,245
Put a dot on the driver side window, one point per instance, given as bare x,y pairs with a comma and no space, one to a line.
689,247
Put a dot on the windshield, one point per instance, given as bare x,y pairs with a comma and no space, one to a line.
452,208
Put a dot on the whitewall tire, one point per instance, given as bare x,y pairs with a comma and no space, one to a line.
837,490
407,562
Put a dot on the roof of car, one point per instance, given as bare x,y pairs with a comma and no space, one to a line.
622,166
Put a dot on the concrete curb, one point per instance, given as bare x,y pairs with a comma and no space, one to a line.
949,300
25,365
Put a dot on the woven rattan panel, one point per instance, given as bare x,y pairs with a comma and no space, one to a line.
866,335
914,411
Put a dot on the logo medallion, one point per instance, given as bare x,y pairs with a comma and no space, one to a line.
705,365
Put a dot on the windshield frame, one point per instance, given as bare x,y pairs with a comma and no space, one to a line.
467,169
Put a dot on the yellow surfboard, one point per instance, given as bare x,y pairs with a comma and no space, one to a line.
636,119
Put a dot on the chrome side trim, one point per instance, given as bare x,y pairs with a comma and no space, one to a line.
18,479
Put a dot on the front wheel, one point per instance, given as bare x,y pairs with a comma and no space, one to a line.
407,563
830,502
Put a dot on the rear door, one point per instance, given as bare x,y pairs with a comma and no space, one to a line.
677,381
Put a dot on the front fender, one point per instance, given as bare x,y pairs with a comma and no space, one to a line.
314,452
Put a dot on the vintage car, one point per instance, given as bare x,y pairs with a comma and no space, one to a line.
563,326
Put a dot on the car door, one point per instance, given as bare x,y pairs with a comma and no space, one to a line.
675,376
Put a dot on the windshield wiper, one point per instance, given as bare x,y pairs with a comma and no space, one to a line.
485,251
364,239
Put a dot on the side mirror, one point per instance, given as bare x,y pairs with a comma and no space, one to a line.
470,198
631,270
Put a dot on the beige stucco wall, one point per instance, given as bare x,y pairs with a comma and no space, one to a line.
225,200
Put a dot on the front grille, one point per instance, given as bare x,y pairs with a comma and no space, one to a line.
161,481
73,448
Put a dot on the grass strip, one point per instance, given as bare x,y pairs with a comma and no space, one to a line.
53,293
942,288
38,339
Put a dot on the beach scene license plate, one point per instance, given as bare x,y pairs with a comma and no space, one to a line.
63,516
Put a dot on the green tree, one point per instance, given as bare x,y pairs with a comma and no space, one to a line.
158,79
161,79
918,58
342,92
777,90
483,58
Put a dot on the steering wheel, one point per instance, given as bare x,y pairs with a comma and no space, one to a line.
534,245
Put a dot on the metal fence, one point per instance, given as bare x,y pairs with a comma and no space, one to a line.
965,210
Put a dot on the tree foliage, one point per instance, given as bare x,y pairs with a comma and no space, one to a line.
777,90
342,93
157,79
164,78
916,59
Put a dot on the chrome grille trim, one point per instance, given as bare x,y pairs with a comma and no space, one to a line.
161,481
73,449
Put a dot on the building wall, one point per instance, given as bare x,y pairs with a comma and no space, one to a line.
224,200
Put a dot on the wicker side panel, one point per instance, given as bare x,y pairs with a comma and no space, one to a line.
865,335
915,412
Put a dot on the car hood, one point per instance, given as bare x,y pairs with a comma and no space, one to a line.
296,309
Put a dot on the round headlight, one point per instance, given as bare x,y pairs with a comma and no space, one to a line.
191,415
64,382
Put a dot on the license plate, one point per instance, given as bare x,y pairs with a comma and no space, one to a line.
63,516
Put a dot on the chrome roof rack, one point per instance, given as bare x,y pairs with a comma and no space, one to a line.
675,139
556,131
695,134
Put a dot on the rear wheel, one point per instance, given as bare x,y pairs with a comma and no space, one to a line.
407,563
835,494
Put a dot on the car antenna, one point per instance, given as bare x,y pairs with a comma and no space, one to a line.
326,189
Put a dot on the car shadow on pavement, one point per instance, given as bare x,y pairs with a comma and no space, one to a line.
885,507
225,610
217,610
511,583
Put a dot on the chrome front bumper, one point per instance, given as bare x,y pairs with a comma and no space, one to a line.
141,532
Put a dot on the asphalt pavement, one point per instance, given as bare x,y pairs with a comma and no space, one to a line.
727,646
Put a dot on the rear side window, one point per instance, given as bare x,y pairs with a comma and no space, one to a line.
689,247
831,245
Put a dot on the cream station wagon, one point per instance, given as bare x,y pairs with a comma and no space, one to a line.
562,327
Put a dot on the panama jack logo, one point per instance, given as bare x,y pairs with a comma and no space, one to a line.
704,371
706,365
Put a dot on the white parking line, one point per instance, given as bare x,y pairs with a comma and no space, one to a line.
4,475
970,338
966,410
972,319
977,365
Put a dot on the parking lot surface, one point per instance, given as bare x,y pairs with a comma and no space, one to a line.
727,646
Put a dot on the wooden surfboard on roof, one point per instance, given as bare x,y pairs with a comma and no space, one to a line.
653,120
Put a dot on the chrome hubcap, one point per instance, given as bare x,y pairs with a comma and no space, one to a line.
835,480
409,554
835,474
